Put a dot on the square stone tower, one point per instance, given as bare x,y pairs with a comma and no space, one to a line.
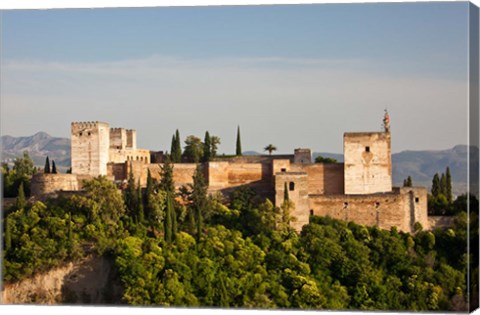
368,162
90,142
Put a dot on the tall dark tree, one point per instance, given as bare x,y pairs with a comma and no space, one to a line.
285,192
448,189
46,169
176,148
207,148
140,207
408,182
54,167
173,148
199,198
443,185
170,222
238,151
435,185
131,197
166,182
20,202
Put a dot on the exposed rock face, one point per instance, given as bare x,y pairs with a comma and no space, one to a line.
91,281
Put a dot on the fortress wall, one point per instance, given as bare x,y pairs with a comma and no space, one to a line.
224,175
48,183
117,171
279,166
118,138
323,178
90,148
297,186
415,206
400,208
367,164
382,210
182,172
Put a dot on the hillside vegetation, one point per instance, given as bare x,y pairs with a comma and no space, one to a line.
190,249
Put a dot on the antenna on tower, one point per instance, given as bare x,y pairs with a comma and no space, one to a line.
386,121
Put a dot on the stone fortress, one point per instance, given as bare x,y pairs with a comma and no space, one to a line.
358,190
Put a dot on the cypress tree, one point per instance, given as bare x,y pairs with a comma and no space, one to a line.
239,144
199,198
149,189
131,194
168,220
207,146
166,173
178,148
141,215
20,201
173,148
285,193
449,185
408,182
435,185
54,167
46,169
170,223
443,185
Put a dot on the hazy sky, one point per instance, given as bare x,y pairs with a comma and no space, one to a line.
291,75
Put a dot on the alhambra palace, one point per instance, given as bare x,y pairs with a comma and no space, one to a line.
358,190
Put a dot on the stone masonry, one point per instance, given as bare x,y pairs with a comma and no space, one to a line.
359,190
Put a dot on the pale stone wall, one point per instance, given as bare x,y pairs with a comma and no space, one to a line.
118,138
49,183
297,186
302,156
368,167
89,148
385,210
323,178
131,139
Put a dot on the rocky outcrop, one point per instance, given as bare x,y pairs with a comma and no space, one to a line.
90,281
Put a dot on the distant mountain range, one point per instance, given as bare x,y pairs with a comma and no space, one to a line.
38,146
420,165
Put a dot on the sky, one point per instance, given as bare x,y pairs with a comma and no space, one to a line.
288,75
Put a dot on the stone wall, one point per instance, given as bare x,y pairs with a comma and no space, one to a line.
323,178
90,142
49,183
297,186
401,208
368,167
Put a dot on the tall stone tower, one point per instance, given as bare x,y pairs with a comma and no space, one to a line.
90,142
368,161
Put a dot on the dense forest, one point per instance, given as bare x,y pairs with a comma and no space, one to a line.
188,248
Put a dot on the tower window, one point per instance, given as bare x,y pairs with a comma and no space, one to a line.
417,199
291,186
283,170
80,134
89,133
367,149
311,211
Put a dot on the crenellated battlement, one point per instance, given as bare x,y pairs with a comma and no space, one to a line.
88,124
